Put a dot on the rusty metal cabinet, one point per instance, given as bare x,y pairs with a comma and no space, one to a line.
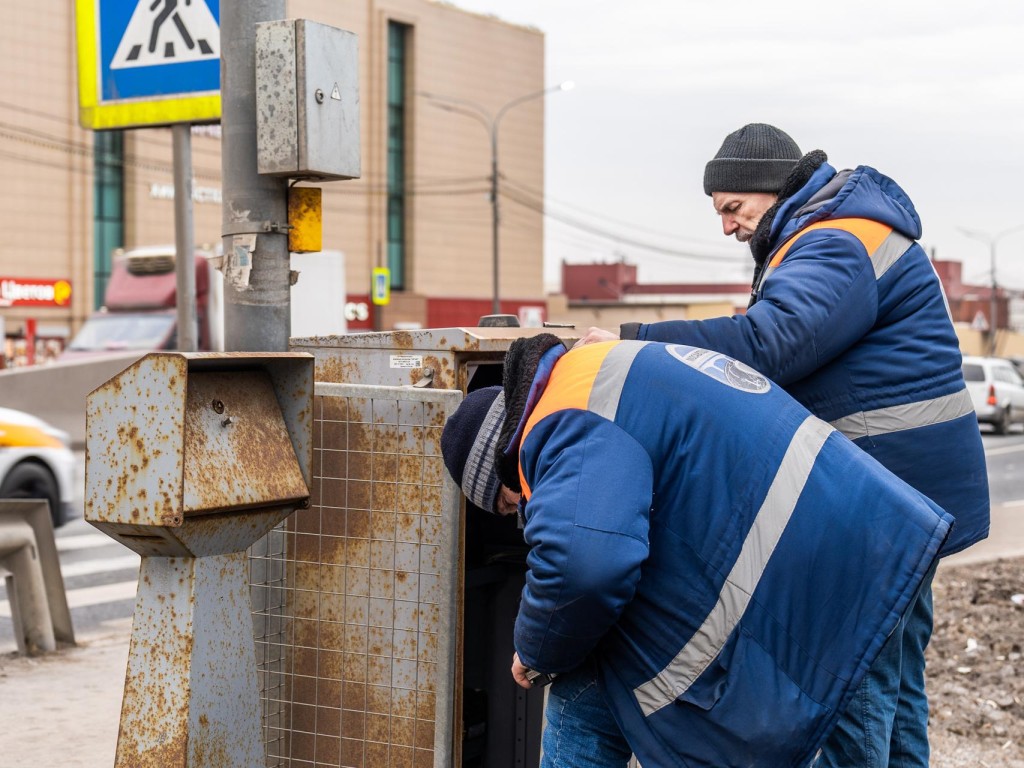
384,611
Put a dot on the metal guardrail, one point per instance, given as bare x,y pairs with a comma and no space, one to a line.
355,600
31,570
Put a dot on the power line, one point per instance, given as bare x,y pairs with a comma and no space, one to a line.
618,238
513,190
602,216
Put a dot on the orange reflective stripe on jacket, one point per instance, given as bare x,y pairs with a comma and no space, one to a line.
871,234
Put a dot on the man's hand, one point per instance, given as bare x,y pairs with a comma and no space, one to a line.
519,673
594,335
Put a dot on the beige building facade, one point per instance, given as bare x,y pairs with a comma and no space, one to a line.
422,205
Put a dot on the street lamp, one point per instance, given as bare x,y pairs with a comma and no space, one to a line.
479,113
992,240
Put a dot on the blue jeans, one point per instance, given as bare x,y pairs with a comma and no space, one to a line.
886,722
581,731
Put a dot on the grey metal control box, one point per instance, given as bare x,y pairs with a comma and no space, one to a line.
307,100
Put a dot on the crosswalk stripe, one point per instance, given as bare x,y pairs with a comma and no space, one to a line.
90,567
1005,449
85,541
80,598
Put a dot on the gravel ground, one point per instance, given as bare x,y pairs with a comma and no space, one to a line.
975,666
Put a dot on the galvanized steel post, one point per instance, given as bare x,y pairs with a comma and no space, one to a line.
255,210
184,239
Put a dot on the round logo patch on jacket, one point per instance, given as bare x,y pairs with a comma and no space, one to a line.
722,368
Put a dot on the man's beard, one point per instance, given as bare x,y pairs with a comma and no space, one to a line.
744,236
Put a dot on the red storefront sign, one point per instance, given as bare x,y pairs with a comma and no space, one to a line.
27,292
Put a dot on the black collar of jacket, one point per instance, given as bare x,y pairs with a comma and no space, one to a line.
761,243
521,363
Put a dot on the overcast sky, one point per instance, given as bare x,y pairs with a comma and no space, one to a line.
930,93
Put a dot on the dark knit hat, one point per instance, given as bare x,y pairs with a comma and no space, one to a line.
469,445
756,158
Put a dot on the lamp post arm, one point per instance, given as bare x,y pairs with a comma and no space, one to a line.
1009,231
528,97
481,115
462,107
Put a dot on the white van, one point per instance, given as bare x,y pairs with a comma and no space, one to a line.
997,391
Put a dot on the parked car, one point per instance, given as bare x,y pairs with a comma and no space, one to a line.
997,391
1018,363
36,462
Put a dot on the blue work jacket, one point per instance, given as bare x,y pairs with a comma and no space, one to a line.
851,320
733,563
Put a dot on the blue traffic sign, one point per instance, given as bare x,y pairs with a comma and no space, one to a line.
148,62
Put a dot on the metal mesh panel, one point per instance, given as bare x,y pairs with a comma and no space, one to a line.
354,599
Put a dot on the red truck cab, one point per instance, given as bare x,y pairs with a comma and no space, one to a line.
139,308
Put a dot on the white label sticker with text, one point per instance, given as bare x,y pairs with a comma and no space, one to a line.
406,361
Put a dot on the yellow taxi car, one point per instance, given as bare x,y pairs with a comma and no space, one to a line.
36,462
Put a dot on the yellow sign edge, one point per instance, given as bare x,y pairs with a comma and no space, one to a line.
200,108
193,109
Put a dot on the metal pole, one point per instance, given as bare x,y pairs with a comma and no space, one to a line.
184,245
992,306
453,104
377,309
257,306
495,218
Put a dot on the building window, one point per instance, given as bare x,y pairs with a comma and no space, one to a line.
398,43
108,206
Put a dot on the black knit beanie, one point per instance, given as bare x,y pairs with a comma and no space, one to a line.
756,158
469,445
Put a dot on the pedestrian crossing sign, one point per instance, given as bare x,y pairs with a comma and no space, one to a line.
148,62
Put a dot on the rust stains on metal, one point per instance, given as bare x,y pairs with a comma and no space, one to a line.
339,369
164,756
241,456
148,744
366,573
213,753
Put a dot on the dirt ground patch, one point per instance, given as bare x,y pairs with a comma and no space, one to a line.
975,666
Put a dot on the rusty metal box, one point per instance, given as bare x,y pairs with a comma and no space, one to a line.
436,358
178,437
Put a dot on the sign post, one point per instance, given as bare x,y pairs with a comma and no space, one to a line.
144,63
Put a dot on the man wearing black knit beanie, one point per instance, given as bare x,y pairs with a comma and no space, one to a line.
847,313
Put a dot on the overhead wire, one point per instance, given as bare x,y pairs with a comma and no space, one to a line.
548,200
617,237
439,187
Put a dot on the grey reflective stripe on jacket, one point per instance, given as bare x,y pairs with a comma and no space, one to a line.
611,376
889,252
897,418
739,586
